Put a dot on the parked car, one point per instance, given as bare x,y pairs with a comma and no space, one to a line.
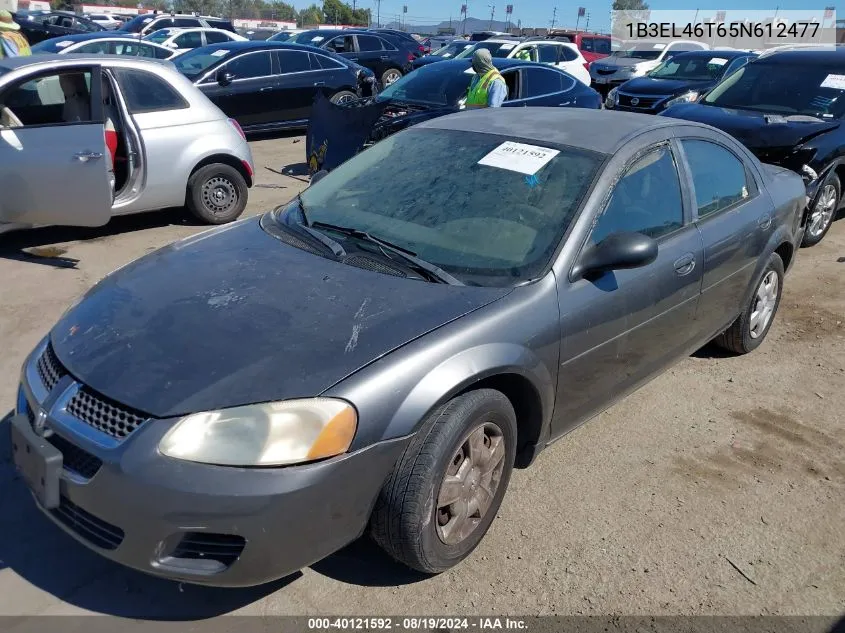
284,36
635,59
593,46
449,51
480,36
681,79
439,89
788,108
548,261
258,34
38,26
183,40
272,85
388,57
174,147
563,55
107,20
105,42
415,42
146,23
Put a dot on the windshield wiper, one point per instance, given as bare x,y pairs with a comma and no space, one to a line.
434,272
324,239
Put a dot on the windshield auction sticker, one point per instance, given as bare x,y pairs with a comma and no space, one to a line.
834,81
519,157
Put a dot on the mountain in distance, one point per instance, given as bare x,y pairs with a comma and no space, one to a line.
473,25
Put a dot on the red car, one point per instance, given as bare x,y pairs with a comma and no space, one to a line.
592,45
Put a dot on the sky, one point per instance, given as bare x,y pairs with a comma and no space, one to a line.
538,13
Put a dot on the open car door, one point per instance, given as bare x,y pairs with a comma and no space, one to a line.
52,149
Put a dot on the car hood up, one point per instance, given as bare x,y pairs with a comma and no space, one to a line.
234,316
667,87
771,137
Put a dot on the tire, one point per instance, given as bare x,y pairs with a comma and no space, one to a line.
407,522
208,182
389,76
744,335
827,204
343,96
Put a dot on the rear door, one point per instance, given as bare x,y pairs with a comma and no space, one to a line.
189,40
372,53
55,169
300,76
543,87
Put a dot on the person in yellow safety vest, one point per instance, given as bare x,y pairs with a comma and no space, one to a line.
523,54
488,88
12,42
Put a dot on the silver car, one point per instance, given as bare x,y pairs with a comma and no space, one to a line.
87,137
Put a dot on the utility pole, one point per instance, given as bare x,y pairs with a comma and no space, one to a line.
554,17
378,13
492,15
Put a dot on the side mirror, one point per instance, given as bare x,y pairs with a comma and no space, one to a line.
319,176
616,252
224,78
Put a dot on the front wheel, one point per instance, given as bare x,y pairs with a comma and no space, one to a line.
447,487
389,76
748,331
823,212
217,193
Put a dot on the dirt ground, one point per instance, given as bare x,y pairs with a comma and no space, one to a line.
719,488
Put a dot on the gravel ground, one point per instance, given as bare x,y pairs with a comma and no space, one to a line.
719,488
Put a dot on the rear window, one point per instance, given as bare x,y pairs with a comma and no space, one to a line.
146,92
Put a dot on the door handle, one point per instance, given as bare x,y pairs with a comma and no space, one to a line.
354,59
765,221
84,157
319,83
384,57
265,89
565,103
684,265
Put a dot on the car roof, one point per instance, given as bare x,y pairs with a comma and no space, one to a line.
247,45
15,63
804,56
81,37
716,52
461,64
575,127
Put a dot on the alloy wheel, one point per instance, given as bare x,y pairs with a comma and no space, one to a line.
471,482
765,301
823,211
391,77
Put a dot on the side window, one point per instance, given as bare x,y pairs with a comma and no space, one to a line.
567,54
50,100
342,44
186,23
549,53
647,199
587,44
250,66
293,61
601,46
160,53
189,40
163,23
540,81
215,37
95,48
146,92
326,63
368,43
719,177
737,63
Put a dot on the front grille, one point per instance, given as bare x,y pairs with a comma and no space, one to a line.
642,102
224,548
103,414
49,368
93,529
296,242
605,71
74,458
373,265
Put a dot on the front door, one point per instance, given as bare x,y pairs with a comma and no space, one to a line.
624,326
297,86
249,98
53,150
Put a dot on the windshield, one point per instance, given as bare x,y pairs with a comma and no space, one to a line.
195,62
450,50
697,68
640,50
497,49
430,191
159,36
434,84
314,38
786,89
136,24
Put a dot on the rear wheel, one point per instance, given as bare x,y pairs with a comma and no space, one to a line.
748,331
217,193
343,97
446,489
390,76
823,211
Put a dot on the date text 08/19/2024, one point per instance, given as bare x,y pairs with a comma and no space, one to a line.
416,623
777,30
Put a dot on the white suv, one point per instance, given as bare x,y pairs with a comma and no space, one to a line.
636,58
563,55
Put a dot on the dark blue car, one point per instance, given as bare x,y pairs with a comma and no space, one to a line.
680,79
438,89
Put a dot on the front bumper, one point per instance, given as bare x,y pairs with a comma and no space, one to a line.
199,523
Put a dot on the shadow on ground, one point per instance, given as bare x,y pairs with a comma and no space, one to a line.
37,246
364,563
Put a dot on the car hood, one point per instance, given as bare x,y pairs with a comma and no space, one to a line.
760,132
234,316
667,87
428,59
398,115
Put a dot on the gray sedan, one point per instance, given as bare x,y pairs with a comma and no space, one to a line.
381,352
87,137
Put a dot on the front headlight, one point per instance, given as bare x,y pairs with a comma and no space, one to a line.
268,434
687,97
612,98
